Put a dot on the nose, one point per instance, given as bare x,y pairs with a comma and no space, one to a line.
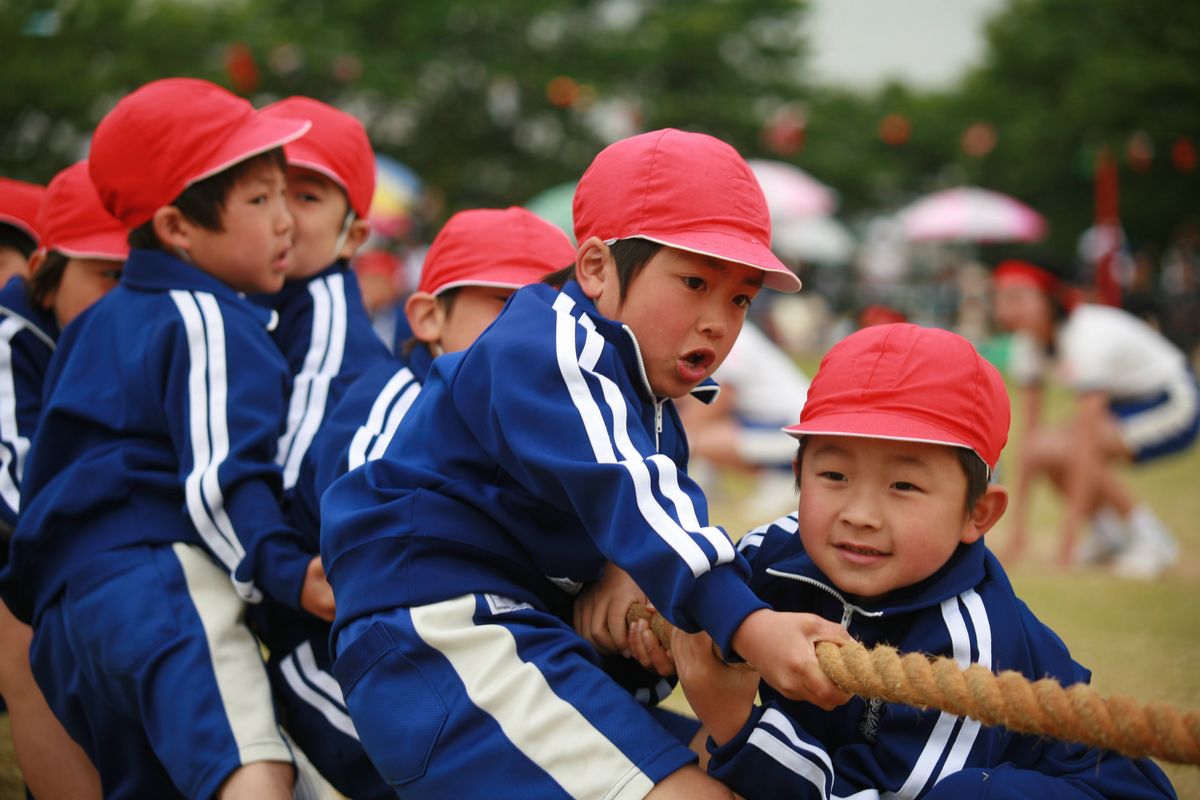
284,223
715,320
861,509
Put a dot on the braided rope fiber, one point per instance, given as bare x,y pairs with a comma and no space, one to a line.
1075,713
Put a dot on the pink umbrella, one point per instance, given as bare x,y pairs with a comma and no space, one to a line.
790,191
971,214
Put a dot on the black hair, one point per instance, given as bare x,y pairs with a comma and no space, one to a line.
17,239
630,255
46,279
203,201
973,467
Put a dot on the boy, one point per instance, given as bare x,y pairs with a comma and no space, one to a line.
547,448
901,424
323,330
19,205
154,462
477,260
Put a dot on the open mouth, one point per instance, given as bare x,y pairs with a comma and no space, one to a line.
699,359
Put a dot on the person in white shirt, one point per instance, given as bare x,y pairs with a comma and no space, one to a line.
762,391
1136,400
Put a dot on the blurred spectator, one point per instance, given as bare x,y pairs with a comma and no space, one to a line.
1136,400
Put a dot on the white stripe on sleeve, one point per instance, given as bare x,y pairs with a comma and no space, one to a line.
377,417
13,446
322,363
228,552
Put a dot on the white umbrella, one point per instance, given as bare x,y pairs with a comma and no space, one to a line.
820,239
790,191
971,214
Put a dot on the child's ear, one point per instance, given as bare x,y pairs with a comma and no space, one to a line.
425,317
359,230
591,263
986,513
172,228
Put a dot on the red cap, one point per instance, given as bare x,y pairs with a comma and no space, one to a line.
489,247
336,146
908,383
171,133
1016,272
74,223
684,190
19,203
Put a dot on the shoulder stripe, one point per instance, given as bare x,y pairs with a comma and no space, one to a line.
322,362
395,417
376,418
30,326
606,442
13,446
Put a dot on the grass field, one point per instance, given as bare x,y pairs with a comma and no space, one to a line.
1139,639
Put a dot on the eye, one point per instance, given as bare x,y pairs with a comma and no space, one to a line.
259,199
743,301
830,475
113,275
693,282
905,486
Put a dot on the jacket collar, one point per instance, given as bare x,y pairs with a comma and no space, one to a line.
964,570
418,361
158,271
622,337
293,289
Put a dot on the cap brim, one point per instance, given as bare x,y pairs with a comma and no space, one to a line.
877,426
730,248
109,246
261,135
22,225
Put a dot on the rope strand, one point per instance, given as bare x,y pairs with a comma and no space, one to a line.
1075,713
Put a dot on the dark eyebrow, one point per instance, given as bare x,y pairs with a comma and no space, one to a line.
719,266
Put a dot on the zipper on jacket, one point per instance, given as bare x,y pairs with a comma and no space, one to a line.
658,402
848,608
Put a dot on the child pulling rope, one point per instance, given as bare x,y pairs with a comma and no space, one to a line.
1044,708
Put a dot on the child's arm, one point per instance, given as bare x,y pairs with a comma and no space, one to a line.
782,647
722,696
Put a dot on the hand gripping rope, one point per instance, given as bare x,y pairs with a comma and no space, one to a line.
1075,713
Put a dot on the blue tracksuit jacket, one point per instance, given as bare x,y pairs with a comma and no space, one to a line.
357,429
27,340
161,421
865,750
327,339
524,464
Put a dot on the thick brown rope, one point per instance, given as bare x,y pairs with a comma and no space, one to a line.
1044,708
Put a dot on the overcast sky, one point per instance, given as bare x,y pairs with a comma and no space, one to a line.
926,43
